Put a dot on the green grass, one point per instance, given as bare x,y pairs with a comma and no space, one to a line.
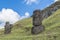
53,20
22,29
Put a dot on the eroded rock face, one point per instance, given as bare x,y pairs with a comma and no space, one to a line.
8,28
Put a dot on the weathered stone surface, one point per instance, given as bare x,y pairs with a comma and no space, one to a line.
37,29
36,17
8,28
37,22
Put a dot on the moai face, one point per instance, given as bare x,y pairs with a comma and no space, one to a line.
36,17
36,13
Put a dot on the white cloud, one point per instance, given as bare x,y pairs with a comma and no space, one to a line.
27,14
8,15
11,16
56,0
29,2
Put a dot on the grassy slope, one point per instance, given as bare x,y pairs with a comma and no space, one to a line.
22,29
53,20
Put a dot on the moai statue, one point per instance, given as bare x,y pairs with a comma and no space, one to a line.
37,22
8,28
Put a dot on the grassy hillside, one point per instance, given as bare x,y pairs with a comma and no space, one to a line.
22,29
53,20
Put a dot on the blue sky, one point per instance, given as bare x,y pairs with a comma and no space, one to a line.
19,9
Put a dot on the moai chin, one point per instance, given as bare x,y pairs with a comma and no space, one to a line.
8,28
